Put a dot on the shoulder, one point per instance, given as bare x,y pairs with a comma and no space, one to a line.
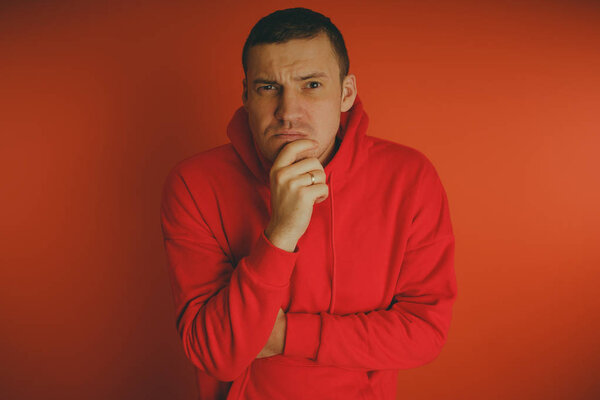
200,171
207,161
220,162
402,158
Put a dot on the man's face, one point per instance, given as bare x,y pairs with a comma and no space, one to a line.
295,87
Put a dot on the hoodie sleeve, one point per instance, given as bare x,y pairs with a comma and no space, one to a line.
225,312
413,329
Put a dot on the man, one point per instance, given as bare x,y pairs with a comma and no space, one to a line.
307,259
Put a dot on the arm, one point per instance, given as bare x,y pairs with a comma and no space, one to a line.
412,331
225,315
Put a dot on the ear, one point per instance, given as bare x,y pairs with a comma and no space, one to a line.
349,92
245,94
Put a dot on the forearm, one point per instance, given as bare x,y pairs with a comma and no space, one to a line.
410,333
215,334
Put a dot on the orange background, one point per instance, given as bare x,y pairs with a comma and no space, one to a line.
98,100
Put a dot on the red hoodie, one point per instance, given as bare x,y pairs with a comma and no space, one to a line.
367,292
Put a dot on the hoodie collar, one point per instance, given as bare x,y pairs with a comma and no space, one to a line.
346,161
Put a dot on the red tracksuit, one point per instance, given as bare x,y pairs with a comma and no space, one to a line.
367,292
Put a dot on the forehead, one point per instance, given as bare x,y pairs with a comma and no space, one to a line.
292,56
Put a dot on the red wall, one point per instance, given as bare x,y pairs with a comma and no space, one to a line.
99,100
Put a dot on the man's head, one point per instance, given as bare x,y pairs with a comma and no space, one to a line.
296,79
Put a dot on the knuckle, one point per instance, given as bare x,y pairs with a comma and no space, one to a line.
293,184
303,194
278,176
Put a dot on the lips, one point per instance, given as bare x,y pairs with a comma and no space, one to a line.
290,133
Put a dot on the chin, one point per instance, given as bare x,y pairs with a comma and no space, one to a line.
316,153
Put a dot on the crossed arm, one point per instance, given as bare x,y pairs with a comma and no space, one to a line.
216,303
410,333
276,341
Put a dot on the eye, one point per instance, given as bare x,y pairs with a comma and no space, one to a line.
314,82
265,87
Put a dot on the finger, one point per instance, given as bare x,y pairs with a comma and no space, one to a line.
316,191
322,179
305,179
299,168
292,151
319,176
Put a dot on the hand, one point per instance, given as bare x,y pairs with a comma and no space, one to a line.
276,341
292,194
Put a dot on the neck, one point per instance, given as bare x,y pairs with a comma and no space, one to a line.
336,146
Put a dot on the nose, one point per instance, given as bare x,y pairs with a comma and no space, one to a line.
289,107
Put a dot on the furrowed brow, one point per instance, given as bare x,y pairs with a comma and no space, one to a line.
263,80
311,76
298,78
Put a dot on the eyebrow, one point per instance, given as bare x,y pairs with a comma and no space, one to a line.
298,78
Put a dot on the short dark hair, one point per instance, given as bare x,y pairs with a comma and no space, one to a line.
296,23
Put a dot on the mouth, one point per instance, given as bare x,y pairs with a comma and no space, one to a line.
289,135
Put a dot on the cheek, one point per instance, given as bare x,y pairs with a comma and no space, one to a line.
327,126
263,120
257,122
327,114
